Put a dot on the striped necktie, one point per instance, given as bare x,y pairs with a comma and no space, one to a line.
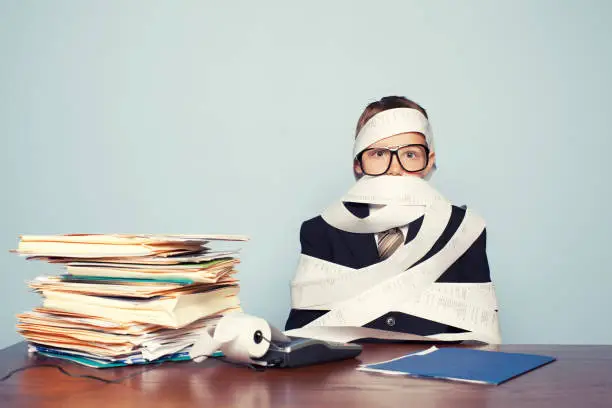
389,241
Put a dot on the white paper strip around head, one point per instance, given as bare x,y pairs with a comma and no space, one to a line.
393,122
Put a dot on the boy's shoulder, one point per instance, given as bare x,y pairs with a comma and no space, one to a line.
359,210
314,224
458,214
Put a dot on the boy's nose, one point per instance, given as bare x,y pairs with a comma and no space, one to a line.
395,169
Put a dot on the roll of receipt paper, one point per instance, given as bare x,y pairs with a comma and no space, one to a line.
242,338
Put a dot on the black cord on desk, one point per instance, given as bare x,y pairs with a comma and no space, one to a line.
63,371
118,380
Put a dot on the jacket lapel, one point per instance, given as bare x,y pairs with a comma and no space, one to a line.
361,246
413,229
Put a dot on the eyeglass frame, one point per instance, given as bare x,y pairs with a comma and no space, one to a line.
394,150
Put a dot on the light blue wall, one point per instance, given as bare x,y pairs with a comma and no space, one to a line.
237,117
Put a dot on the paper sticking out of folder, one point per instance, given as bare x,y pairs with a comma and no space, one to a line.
117,245
128,299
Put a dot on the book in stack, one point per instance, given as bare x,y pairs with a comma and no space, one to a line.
128,299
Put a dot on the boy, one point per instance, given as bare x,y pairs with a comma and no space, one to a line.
405,150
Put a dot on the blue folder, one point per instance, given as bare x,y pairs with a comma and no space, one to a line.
462,364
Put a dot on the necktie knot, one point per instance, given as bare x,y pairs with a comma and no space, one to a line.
389,241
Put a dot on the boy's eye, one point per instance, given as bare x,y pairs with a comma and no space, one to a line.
376,153
411,155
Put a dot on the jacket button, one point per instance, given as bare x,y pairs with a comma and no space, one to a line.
390,321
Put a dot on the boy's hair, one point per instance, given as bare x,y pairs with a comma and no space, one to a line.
386,103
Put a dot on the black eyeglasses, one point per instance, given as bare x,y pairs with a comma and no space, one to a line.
377,160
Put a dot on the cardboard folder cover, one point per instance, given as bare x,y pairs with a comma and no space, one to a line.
461,364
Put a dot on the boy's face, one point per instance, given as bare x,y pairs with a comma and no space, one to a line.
395,169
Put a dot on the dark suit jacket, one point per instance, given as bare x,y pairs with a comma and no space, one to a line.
321,240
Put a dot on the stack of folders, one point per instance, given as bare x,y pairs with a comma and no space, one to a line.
128,299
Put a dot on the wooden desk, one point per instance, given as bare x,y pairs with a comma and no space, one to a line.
582,377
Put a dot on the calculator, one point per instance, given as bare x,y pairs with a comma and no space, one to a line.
299,352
